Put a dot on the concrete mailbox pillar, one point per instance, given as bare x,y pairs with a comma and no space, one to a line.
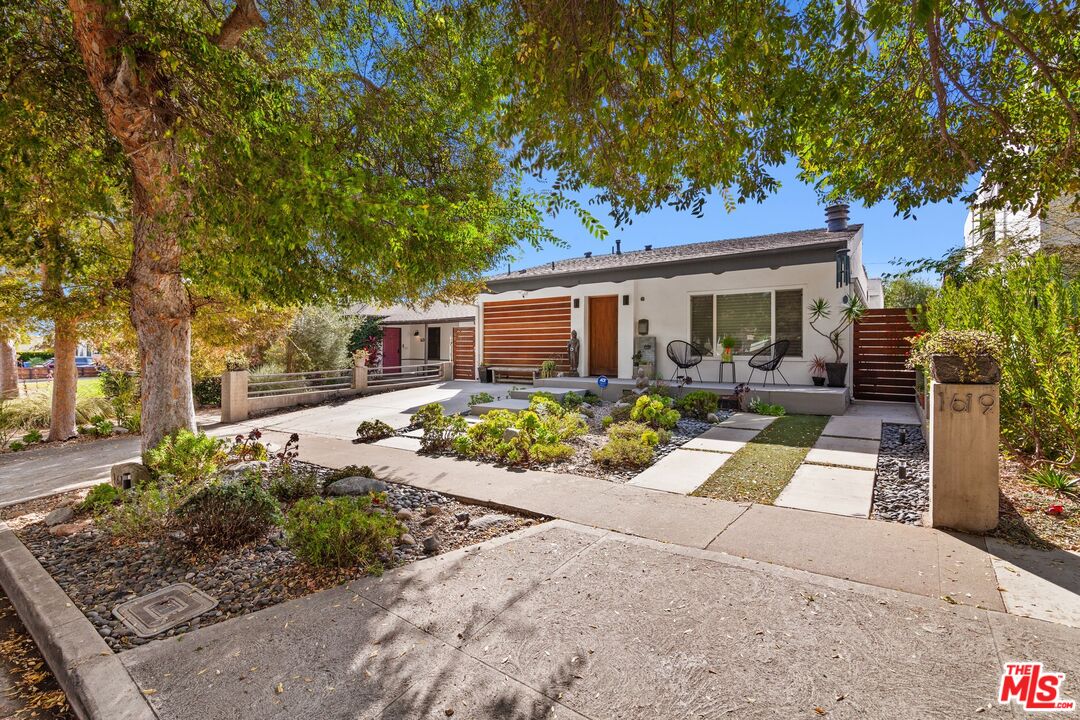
234,396
964,422
360,378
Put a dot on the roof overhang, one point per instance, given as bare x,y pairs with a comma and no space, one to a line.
427,321
755,260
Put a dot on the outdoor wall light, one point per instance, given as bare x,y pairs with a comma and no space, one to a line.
642,327
416,333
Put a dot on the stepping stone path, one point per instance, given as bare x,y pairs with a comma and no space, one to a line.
513,405
837,475
680,471
559,393
835,490
684,470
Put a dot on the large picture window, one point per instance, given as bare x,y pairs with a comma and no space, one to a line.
753,319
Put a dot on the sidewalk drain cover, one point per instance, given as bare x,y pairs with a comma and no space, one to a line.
162,609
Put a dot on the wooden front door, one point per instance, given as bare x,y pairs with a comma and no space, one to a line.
464,353
391,349
604,335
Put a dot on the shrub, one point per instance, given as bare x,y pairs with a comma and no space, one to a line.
145,513
227,515
101,426
9,423
621,413
539,434
439,430
247,448
630,445
548,368
289,484
698,404
608,421
480,398
965,344
121,389
34,436
372,430
99,498
1052,478
655,411
572,401
207,391
764,408
16,446
186,458
1034,307
349,471
341,532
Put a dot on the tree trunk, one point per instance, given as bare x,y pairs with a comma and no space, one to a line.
65,380
9,373
131,99
161,314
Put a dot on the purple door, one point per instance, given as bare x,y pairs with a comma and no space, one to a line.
391,349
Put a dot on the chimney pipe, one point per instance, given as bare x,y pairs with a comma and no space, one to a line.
588,254
648,247
618,246
836,217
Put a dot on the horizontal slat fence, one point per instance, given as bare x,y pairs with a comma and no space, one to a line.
881,351
464,353
525,333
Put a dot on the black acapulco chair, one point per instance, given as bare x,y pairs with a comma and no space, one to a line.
685,356
768,360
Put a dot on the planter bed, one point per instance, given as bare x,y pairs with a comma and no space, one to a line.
98,573
895,499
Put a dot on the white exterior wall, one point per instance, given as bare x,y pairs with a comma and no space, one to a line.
665,303
414,349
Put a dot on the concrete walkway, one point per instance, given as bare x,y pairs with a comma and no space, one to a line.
686,469
837,475
561,621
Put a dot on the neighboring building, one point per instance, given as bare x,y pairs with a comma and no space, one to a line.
414,336
1060,228
755,289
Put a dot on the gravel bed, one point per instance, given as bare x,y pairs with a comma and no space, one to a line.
582,463
98,574
896,499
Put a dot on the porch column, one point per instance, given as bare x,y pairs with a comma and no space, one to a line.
446,370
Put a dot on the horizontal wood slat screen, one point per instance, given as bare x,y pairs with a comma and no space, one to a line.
525,333
881,350
464,353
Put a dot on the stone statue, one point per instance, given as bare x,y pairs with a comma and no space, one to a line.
573,352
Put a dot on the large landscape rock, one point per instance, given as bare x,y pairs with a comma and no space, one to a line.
241,470
59,516
137,474
356,486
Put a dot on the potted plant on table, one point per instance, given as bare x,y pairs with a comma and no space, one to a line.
836,372
728,344
818,370
958,356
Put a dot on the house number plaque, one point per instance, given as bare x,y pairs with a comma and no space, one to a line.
962,402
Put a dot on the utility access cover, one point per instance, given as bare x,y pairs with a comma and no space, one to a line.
162,609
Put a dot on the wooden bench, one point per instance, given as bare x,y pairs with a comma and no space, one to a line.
520,371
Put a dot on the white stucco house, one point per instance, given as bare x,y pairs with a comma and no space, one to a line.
421,335
754,289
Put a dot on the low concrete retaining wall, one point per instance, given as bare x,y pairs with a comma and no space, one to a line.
97,685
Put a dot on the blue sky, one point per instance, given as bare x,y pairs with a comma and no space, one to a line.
935,228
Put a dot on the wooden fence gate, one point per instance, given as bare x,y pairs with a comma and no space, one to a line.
881,350
464,353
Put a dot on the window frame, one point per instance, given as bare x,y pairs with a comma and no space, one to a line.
745,291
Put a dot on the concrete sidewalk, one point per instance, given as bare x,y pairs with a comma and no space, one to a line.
561,621
901,557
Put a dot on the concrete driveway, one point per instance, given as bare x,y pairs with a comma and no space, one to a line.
393,408
48,470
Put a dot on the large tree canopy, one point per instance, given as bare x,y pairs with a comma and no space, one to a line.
656,102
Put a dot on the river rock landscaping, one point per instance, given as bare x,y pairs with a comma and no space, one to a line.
902,482
98,572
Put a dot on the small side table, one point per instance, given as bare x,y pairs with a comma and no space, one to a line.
722,364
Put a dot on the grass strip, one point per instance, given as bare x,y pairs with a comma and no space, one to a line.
764,466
